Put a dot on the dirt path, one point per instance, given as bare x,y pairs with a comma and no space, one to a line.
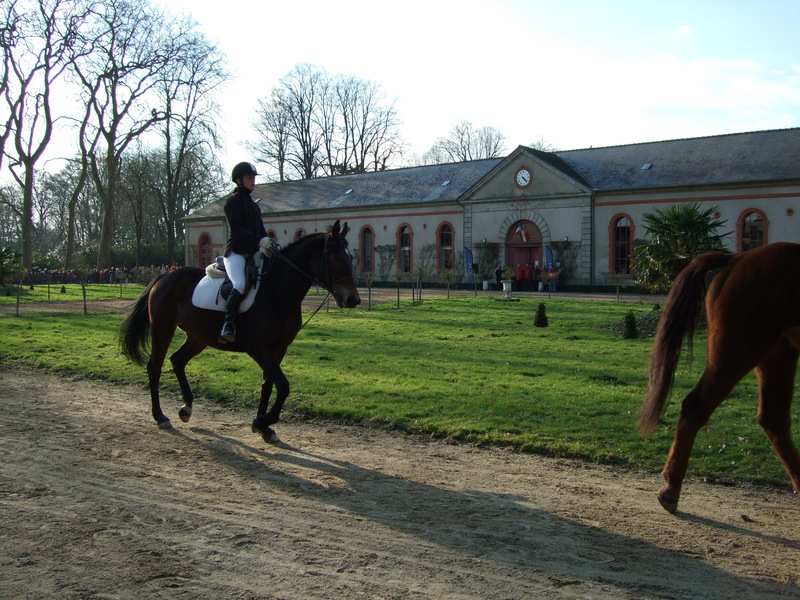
98,503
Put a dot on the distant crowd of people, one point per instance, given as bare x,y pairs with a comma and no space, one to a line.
110,276
527,277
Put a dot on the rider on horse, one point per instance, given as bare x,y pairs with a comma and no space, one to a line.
246,234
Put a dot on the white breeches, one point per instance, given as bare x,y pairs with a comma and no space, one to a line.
234,266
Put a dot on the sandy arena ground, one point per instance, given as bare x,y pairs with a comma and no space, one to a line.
97,503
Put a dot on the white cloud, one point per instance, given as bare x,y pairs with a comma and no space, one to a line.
662,97
680,32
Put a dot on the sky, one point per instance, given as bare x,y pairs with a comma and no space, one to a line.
575,74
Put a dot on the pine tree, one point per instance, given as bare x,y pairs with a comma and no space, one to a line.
631,332
540,320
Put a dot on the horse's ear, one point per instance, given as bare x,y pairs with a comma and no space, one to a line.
335,228
345,229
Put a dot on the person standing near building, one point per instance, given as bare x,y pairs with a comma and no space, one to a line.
246,234
528,277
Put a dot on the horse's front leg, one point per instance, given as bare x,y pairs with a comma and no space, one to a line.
266,392
179,360
264,418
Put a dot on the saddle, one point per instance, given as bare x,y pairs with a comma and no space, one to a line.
213,290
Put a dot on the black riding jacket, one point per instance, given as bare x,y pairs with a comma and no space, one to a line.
245,227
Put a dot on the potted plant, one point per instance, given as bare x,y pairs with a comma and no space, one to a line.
507,278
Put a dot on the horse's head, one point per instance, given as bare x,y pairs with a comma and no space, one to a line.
336,268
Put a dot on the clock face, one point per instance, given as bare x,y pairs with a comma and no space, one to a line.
523,177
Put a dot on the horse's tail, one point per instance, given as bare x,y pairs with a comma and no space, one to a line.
678,321
134,338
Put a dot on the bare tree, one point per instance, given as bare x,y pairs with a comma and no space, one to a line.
190,127
10,37
133,46
39,46
53,198
366,134
315,125
137,193
466,143
288,124
274,134
82,175
304,89
543,144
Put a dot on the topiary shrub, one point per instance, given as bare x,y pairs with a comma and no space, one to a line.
630,332
540,320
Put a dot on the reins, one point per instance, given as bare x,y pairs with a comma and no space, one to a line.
328,288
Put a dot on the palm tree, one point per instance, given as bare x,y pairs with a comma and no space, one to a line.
676,234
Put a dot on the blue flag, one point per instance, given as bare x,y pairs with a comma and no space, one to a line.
468,263
549,262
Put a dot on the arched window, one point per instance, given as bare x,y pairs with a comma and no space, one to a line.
206,250
367,251
404,246
299,233
444,241
622,246
752,230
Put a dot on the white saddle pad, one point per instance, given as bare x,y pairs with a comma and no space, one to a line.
206,293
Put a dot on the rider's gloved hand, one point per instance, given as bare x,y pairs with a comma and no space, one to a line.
266,245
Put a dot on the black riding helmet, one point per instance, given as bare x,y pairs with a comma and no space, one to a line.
242,169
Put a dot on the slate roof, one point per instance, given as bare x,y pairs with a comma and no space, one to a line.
417,185
755,157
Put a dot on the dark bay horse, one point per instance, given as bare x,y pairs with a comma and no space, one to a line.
753,311
264,332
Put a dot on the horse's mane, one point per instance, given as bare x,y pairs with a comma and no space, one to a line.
283,264
300,242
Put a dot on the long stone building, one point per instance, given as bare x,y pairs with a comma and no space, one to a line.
582,210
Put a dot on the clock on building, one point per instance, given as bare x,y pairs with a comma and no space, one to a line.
523,177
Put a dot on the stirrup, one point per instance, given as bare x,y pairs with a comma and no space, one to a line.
228,334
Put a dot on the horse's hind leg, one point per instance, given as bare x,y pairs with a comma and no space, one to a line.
776,374
179,360
160,344
696,409
154,376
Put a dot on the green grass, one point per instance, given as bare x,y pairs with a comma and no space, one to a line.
466,369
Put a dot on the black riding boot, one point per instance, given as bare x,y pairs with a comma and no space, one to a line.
228,333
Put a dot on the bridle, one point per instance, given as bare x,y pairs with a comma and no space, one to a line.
323,267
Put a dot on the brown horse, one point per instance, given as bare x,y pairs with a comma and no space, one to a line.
264,332
753,311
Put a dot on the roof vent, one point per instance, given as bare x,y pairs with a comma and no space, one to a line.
348,192
646,166
446,182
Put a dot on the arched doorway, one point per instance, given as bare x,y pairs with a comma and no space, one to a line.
524,244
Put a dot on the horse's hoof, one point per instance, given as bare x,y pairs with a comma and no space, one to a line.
267,433
270,436
668,504
164,423
185,413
